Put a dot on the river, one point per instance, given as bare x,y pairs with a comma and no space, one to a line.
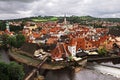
96,72
103,71
4,56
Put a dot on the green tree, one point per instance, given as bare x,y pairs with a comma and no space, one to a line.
102,51
3,71
12,71
20,40
5,41
15,71
12,41
16,28
2,25
4,38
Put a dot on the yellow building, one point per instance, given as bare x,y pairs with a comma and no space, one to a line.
30,25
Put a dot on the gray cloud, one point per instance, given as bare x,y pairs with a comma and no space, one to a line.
19,0
26,8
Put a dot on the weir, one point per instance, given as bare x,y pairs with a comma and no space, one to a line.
114,60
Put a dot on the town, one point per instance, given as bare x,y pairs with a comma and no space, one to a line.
59,39
55,45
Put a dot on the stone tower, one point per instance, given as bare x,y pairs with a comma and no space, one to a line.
7,26
65,21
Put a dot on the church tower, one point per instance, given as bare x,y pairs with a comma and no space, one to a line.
72,46
7,26
65,21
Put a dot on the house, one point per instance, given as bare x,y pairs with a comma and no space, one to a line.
59,52
51,40
29,48
31,25
72,46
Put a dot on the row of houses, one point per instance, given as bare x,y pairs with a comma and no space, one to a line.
69,39
65,40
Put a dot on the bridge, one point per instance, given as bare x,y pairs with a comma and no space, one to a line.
28,77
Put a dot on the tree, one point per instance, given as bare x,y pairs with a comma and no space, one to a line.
5,41
20,40
12,71
102,51
16,28
17,70
3,71
12,41
2,25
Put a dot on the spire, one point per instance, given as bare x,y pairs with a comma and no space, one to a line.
7,26
65,21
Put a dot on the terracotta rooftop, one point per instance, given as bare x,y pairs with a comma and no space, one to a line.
51,40
60,51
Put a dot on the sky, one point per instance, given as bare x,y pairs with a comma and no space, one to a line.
10,9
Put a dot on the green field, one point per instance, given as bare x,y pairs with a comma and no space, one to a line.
45,20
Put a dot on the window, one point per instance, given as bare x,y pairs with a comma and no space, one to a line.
73,51
73,48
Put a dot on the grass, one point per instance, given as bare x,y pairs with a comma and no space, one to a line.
45,20
39,20
33,62
24,59
53,19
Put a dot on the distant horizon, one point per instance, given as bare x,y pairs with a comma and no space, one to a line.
12,9
57,16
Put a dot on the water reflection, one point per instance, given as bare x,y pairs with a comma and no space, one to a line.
93,75
62,74
85,74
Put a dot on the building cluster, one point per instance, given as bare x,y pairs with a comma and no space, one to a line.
68,39
103,23
64,40
12,23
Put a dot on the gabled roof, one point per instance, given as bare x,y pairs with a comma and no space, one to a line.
60,51
51,40
36,35
30,47
72,42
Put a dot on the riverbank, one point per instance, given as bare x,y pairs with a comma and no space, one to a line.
83,74
94,73
50,65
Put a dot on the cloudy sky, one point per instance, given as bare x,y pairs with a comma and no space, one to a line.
25,8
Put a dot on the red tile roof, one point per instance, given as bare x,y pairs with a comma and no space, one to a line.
36,35
51,40
60,51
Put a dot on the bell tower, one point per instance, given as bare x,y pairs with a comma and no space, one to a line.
7,26
65,21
